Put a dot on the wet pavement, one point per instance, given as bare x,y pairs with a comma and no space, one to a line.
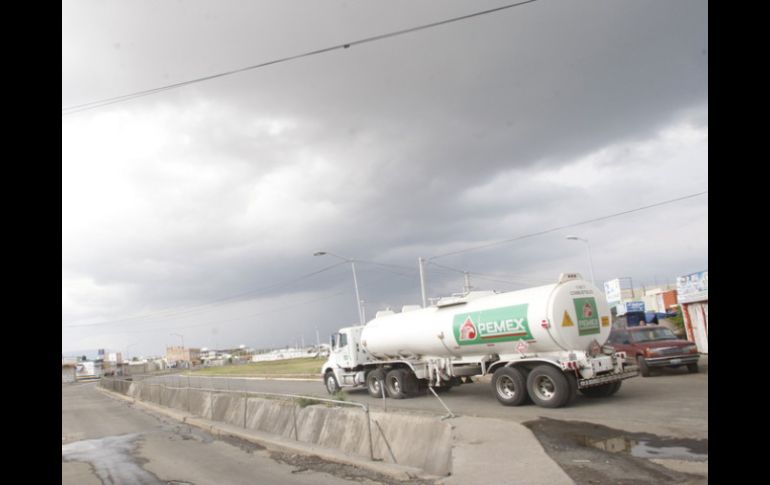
108,441
593,454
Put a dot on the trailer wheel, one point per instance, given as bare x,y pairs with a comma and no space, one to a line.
395,383
510,386
573,388
605,390
615,387
411,384
332,386
548,387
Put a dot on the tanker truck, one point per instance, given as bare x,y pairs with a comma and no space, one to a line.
542,344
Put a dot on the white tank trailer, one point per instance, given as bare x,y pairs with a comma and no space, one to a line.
543,343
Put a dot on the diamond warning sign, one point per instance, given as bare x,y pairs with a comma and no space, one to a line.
567,321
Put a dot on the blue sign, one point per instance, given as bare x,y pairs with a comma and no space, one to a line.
634,306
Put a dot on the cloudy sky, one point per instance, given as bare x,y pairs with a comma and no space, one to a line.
196,211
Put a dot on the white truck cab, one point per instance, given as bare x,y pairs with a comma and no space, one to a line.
341,369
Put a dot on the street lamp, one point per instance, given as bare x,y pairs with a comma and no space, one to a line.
590,260
182,337
355,280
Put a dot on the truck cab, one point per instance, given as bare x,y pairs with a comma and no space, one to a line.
343,367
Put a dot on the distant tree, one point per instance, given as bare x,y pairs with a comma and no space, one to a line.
83,358
678,320
134,359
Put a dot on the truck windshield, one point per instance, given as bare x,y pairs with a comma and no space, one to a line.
652,334
343,340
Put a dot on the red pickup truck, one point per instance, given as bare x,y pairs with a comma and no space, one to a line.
654,346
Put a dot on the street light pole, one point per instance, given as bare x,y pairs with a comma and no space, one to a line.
178,335
590,259
423,291
355,280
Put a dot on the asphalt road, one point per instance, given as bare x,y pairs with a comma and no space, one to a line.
669,403
107,441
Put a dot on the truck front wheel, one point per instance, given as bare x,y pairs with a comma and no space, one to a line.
375,382
331,383
510,386
548,387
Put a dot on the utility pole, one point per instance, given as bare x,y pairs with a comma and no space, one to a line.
421,263
467,287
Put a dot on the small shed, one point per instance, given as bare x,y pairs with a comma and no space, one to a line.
693,296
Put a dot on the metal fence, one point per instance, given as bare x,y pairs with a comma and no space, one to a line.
144,390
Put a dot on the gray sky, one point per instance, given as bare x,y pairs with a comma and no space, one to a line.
186,211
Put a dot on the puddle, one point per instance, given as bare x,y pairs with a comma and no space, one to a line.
593,454
111,459
644,448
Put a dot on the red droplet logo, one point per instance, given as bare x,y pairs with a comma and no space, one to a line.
468,330
588,312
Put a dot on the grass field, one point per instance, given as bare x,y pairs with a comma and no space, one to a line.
309,366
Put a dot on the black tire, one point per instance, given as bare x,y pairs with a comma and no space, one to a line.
692,368
510,386
411,385
605,390
548,387
644,369
332,386
396,384
573,388
615,387
375,381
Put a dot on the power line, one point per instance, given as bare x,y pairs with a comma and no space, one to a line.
126,97
483,276
227,320
554,229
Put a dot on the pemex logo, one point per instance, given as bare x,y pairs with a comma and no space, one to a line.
588,311
468,330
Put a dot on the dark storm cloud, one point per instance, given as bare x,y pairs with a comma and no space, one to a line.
413,146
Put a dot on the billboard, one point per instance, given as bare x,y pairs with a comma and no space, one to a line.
693,287
612,291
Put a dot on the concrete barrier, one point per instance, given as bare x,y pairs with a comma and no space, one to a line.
270,416
228,408
200,403
423,442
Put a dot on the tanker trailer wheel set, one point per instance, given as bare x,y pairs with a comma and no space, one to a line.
540,345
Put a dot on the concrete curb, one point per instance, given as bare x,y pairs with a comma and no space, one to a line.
275,443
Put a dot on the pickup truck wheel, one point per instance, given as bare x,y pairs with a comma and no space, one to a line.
548,387
375,383
692,368
332,386
395,383
510,386
644,369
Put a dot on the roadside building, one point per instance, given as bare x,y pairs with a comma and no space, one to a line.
88,370
184,356
660,301
693,296
68,373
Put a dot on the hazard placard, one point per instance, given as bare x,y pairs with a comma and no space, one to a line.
567,321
